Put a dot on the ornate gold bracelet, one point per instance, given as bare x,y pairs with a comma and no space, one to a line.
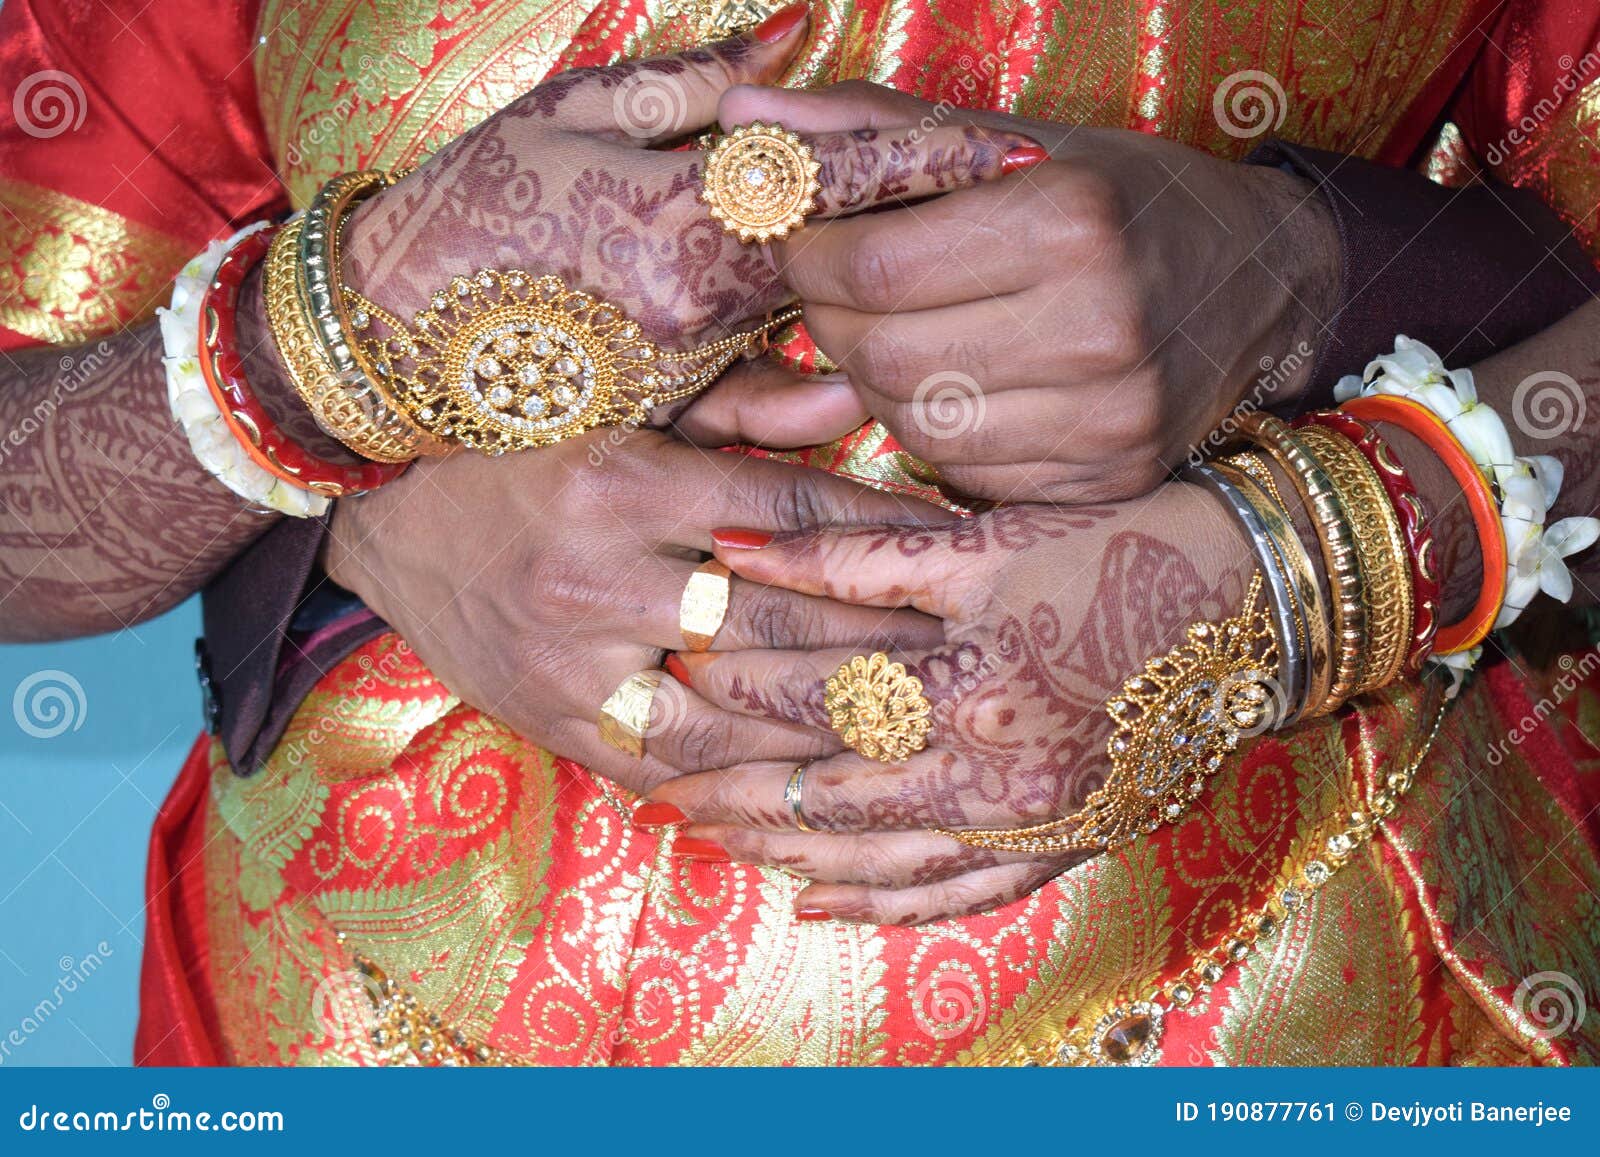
353,415
1174,724
506,360
1386,593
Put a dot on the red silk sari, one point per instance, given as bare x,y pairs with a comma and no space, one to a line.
501,894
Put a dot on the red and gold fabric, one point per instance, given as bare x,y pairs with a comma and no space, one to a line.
398,832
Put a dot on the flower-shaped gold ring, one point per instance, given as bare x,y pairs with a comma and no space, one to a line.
877,708
761,182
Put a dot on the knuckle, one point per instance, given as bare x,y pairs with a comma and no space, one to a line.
793,501
1112,338
1093,218
779,621
1134,418
704,743
888,365
873,863
559,585
874,273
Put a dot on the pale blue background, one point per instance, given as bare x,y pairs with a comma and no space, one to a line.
75,814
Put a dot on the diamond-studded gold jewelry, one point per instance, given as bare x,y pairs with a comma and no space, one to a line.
793,795
761,182
877,708
625,717
704,605
1173,725
506,360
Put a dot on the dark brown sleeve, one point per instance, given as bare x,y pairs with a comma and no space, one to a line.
1469,271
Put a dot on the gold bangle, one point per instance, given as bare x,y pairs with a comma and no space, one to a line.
504,360
1174,724
322,295
351,416
1333,686
704,605
1385,573
1305,589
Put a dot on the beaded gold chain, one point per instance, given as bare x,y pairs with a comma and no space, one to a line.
1130,1033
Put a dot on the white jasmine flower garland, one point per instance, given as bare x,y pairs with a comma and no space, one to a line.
193,406
1527,486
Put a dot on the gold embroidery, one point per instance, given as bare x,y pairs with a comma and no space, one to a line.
72,270
1563,165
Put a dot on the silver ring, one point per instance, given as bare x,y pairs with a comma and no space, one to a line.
792,792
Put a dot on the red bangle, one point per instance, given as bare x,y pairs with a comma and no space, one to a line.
1413,516
248,420
1421,422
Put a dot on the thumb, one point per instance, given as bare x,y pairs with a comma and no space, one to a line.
762,402
661,98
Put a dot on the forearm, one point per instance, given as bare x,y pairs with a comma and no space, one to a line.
106,518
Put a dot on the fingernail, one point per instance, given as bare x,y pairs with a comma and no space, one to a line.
652,814
1023,157
740,539
782,22
677,670
810,914
701,851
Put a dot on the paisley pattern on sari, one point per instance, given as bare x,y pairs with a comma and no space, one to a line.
516,915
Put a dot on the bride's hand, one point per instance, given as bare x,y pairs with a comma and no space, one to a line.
1046,611
575,179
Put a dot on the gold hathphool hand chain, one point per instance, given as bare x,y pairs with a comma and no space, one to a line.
507,360
1129,1032
1174,723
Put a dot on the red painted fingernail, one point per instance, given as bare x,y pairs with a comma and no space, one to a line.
1023,157
782,22
677,670
740,539
651,814
701,851
809,914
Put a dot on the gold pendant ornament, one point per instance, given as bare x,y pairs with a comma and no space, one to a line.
1174,724
877,708
761,182
505,360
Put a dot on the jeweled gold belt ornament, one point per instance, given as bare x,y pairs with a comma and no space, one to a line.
761,182
1174,724
507,360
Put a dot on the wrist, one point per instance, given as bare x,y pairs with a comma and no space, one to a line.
1300,245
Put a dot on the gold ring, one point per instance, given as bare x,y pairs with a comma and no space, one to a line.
877,708
625,717
792,792
761,182
704,605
